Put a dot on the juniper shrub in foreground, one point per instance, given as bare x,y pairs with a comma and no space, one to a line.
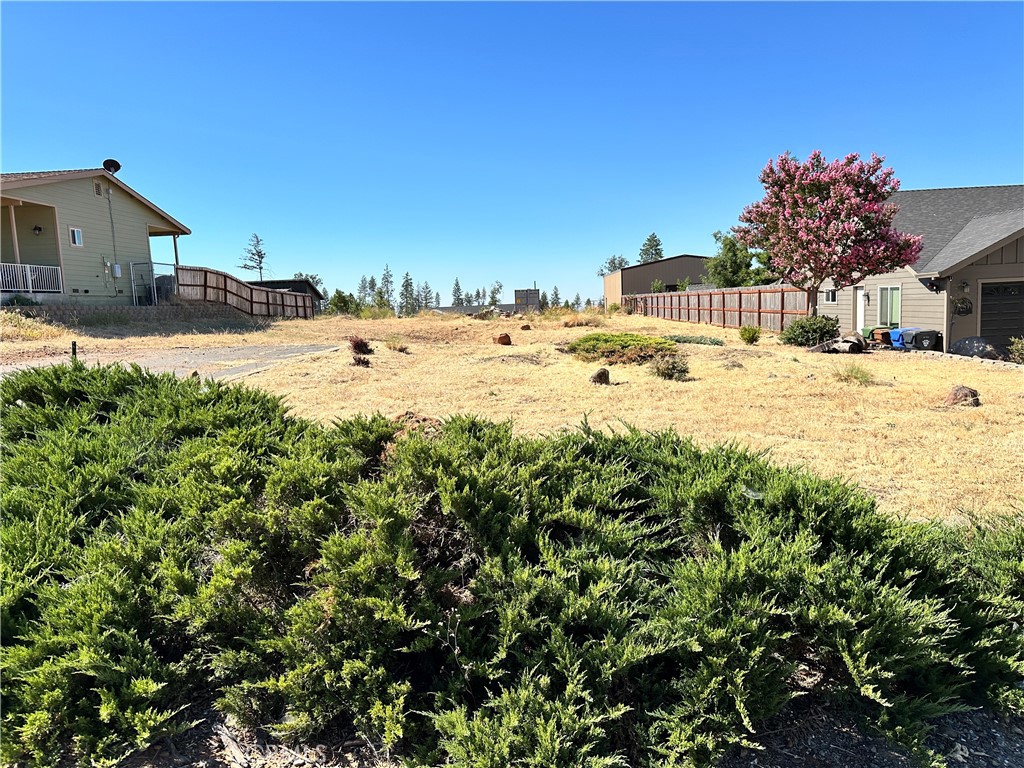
466,596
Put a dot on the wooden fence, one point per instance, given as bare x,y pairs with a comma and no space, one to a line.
211,285
771,307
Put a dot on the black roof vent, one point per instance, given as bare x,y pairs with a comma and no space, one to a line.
111,166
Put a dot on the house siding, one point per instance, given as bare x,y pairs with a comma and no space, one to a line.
78,206
1005,263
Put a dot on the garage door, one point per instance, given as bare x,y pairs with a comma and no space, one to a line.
1002,311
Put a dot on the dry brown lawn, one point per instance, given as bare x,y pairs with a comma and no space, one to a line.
893,437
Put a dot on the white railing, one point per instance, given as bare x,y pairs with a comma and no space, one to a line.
30,278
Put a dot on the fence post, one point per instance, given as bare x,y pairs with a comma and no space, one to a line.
28,277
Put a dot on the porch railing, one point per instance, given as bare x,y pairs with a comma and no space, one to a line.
30,278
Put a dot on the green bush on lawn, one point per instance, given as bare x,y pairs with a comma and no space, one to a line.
469,598
619,347
809,331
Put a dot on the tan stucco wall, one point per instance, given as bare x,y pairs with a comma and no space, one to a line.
613,288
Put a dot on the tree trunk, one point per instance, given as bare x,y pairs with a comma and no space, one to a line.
812,301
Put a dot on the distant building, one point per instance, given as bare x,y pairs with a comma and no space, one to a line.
527,299
673,272
296,286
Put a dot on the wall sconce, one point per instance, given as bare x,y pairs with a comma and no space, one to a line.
965,286
37,230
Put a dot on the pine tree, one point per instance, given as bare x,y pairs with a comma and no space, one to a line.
457,300
254,255
437,299
577,302
426,295
651,250
363,291
544,301
407,298
476,298
387,286
556,300
371,287
588,303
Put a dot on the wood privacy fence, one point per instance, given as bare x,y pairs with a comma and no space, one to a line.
211,285
771,307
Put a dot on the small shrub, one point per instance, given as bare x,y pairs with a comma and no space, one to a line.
675,367
613,308
360,361
711,341
395,345
852,373
1017,350
619,347
360,345
375,313
750,334
583,320
808,331
657,286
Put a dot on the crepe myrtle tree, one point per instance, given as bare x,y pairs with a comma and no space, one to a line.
823,220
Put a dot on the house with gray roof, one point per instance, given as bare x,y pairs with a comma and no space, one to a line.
79,236
969,278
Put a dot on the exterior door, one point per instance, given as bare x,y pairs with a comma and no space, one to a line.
1002,311
859,315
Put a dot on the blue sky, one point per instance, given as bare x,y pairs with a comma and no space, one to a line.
517,142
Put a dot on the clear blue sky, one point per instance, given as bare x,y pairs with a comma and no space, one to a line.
513,142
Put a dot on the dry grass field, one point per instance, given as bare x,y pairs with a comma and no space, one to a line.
893,436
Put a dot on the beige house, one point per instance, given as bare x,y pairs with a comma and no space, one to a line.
79,237
969,278
673,272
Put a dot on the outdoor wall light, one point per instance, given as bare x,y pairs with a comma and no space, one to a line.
37,230
965,286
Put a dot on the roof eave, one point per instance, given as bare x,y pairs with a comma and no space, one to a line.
92,173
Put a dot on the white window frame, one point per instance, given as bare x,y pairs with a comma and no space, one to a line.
889,288
834,293
71,236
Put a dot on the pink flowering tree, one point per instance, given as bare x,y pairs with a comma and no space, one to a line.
820,220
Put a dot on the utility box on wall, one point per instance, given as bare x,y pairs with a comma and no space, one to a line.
527,299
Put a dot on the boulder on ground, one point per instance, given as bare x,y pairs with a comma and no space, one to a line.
961,395
601,377
503,338
525,327
977,346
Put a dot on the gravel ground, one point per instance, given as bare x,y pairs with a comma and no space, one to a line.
811,733
218,362
815,734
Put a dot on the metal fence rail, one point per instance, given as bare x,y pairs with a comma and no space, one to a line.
30,278
771,307
211,285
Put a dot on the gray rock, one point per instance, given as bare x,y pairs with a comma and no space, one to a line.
601,377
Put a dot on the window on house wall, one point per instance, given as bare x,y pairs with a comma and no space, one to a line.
831,297
76,236
889,305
